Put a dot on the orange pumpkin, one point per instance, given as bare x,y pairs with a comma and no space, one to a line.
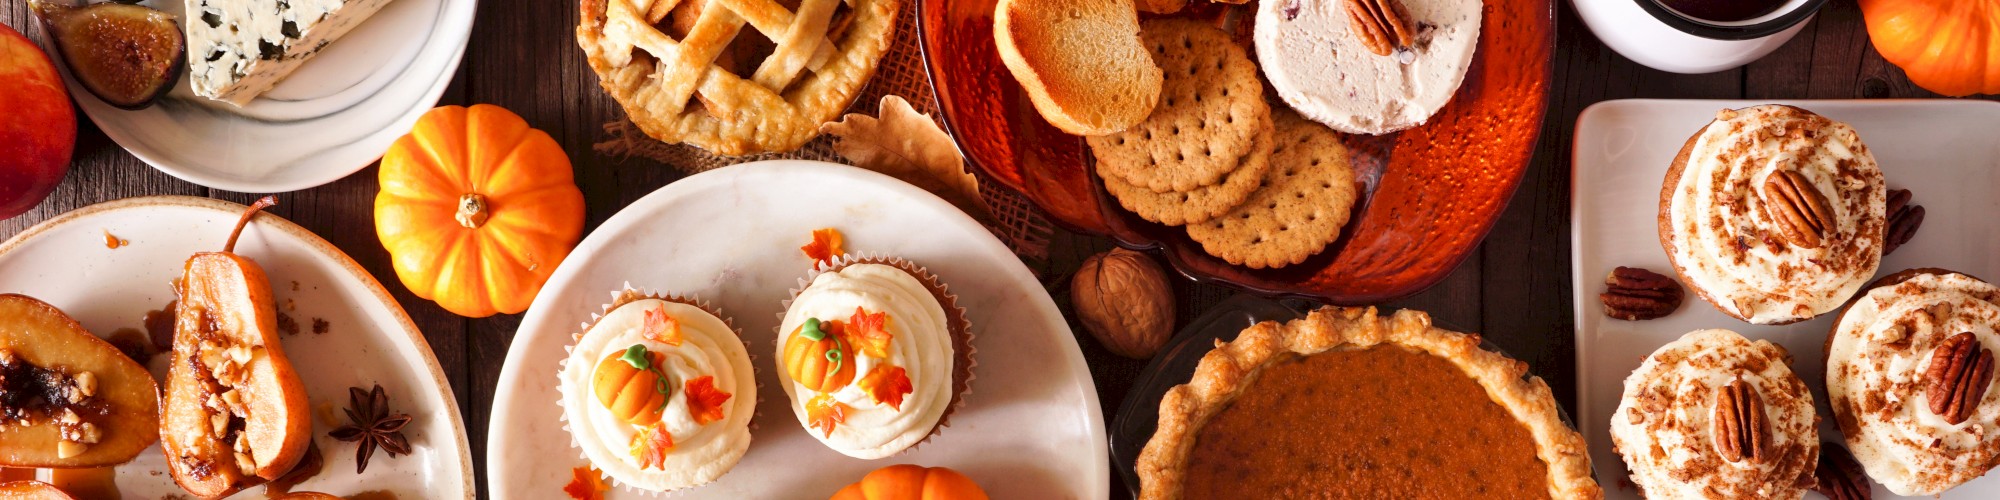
806,359
1951,47
477,209
633,395
912,482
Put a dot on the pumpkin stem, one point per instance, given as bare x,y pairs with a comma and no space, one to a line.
472,211
260,204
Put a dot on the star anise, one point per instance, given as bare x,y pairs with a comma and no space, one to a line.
373,426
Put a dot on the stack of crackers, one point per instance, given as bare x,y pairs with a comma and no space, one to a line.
1257,187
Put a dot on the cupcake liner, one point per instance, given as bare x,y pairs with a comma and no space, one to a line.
626,295
964,352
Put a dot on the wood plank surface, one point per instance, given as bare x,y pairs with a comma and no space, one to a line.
522,55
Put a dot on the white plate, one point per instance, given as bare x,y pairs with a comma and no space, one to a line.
1030,428
1941,150
65,262
332,117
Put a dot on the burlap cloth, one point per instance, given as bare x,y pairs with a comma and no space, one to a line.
1014,220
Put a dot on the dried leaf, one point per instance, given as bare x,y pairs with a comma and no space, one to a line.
704,401
825,246
907,145
662,328
887,384
824,413
585,483
869,333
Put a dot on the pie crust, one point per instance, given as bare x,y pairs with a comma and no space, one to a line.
1232,368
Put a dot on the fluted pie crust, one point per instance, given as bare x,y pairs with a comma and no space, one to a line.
1232,369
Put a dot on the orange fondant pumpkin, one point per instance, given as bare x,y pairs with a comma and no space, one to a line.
1951,47
633,396
806,359
477,209
912,482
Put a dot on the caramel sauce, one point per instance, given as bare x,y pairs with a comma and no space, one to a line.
160,325
373,495
98,482
1384,422
1723,10
134,343
113,242
309,466
16,474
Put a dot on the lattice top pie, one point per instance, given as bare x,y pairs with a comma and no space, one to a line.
687,70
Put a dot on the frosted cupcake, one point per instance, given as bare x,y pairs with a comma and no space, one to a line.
1909,371
1715,415
875,355
659,392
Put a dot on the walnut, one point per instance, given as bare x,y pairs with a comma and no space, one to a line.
1123,299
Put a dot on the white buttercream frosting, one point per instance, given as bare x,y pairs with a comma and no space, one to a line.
1876,362
1663,424
1310,55
1725,243
701,452
921,344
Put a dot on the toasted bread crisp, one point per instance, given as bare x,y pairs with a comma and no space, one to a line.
1081,61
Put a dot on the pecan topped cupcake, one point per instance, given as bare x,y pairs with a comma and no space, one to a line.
1773,214
1908,369
1715,415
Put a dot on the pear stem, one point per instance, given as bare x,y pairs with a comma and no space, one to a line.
260,204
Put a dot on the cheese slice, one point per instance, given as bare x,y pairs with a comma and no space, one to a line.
239,49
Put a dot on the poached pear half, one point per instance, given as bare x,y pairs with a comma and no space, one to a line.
236,412
67,398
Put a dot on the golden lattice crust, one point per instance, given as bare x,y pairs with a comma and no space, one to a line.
1232,367
806,81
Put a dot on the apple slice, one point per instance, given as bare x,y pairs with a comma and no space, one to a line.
236,413
31,490
67,398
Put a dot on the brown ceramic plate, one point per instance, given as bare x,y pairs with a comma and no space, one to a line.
1429,194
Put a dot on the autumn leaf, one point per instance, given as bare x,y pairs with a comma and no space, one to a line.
869,333
651,445
907,145
661,328
825,246
887,384
823,413
704,401
585,483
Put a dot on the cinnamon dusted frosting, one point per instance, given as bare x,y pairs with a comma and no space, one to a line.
1664,423
1877,356
1718,224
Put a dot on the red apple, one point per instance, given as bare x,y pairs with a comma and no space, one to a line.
38,128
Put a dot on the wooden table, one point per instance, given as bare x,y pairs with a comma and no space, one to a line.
523,55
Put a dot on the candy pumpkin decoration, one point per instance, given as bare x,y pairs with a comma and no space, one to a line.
819,357
627,383
1951,47
477,209
912,482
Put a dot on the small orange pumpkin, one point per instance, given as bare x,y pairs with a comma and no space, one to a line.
806,359
1951,47
634,396
912,482
477,209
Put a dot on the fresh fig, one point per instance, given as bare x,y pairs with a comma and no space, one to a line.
126,55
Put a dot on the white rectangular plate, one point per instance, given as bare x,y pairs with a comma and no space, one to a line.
1943,151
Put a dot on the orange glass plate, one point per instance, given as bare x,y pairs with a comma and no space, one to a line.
1429,194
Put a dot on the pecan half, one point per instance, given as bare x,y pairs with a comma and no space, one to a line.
1957,378
1738,425
1380,24
1634,294
1797,206
1839,476
1904,219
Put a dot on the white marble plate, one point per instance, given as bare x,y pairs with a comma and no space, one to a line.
369,340
1941,150
332,117
1031,427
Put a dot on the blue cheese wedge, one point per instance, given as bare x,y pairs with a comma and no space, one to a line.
239,49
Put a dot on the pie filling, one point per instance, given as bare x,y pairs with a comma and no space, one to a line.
1381,422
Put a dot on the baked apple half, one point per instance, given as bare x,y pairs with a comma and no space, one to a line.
67,398
236,413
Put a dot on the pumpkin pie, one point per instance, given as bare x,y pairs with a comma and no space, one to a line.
1715,415
1345,403
1909,374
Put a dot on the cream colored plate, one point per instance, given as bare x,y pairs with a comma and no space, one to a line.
369,340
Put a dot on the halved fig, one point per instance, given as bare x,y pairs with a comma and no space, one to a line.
126,55
31,490
67,398
236,413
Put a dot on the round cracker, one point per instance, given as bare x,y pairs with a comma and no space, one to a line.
1201,204
1304,201
1210,111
